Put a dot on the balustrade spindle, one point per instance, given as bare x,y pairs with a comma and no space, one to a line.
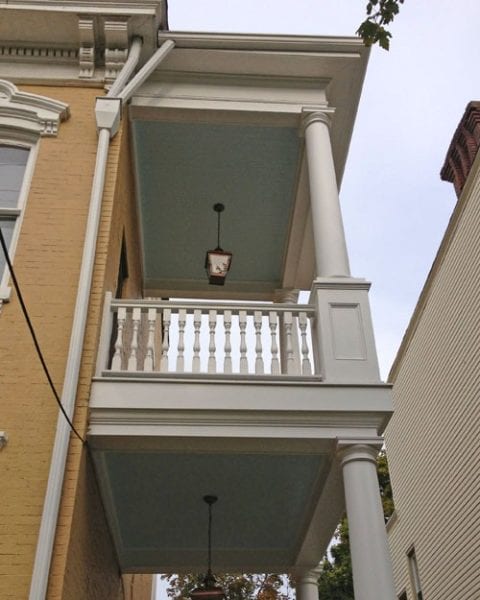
133,358
290,359
197,323
167,316
227,324
242,322
212,322
149,361
182,319
117,355
303,322
273,322
257,323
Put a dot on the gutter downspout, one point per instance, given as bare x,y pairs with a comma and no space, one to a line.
107,112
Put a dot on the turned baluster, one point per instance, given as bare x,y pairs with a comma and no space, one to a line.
242,322
212,322
273,322
167,316
182,319
303,322
227,324
197,323
117,355
149,361
289,355
132,359
257,322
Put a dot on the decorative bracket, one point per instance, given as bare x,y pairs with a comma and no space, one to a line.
86,53
116,47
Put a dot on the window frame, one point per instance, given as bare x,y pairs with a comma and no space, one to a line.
414,572
16,213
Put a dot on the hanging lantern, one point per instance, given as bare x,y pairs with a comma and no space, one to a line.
218,261
209,590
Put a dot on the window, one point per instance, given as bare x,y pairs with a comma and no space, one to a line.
24,119
14,160
414,574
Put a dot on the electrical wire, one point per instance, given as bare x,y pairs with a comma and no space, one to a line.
34,337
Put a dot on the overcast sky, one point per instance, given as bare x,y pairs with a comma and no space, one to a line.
394,205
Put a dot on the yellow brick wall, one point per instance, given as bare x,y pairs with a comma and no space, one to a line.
47,263
84,565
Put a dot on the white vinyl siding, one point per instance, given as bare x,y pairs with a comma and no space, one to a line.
433,439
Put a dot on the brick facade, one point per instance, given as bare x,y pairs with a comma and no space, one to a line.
47,263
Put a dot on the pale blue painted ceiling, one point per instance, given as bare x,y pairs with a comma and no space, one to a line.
162,520
183,169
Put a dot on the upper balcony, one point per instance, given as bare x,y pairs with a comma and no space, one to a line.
247,396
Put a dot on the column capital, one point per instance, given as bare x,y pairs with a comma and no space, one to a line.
359,449
316,116
309,577
286,296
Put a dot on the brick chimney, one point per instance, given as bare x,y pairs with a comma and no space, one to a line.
463,148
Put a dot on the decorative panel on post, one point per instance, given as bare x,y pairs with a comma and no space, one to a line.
346,346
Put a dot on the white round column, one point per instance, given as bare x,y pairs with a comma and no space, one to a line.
371,564
307,585
329,238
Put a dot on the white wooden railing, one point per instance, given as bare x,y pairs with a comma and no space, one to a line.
201,337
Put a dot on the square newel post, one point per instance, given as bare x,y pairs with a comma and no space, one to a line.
344,341
371,563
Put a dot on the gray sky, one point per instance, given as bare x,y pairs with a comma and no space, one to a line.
394,205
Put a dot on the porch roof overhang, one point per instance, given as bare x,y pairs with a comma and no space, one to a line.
220,120
266,448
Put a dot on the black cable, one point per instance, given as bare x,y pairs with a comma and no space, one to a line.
34,337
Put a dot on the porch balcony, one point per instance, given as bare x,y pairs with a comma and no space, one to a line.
270,406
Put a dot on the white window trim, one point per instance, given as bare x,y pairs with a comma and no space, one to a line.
24,119
18,211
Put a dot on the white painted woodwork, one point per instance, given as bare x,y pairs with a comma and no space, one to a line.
197,322
218,339
212,322
133,356
182,320
371,564
289,354
257,320
303,324
273,324
306,587
227,324
242,317
117,356
331,255
167,315
149,361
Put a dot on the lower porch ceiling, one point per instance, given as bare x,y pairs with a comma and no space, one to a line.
154,502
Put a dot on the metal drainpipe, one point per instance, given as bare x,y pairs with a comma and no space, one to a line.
111,117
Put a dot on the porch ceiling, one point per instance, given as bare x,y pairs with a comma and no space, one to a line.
183,169
264,502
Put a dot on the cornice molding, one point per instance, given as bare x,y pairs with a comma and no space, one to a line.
30,112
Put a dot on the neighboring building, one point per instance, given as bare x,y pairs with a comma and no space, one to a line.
434,436
106,204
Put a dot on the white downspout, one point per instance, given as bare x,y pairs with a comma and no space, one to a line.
107,114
